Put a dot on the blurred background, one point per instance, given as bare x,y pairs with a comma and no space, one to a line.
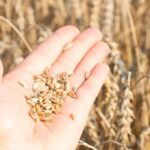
120,117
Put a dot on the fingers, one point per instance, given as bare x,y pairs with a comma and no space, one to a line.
44,55
1,70
71,58
96,55
47,52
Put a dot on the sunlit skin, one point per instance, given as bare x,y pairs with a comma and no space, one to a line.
17,130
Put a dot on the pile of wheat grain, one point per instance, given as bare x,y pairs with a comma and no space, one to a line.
48,95
120,117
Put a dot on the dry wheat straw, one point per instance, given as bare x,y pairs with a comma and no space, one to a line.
17,31
125,114
95,11
107,15
87,145
126,27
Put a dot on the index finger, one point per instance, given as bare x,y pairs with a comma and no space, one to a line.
47,52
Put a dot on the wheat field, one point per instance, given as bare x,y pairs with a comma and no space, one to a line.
120,117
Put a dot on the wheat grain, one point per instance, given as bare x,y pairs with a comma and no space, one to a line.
67,47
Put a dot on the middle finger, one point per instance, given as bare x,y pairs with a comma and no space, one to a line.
69,59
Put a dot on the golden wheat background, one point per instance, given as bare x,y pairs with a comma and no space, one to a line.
120,117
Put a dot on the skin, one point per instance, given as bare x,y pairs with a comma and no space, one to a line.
17,130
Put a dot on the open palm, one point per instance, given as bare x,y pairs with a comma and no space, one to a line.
17,130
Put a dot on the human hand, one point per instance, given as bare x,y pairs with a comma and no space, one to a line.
17,130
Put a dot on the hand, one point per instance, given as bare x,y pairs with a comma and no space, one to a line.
17,130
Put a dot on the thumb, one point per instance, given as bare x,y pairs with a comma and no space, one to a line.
1,70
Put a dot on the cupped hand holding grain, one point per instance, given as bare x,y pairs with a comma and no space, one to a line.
84,56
